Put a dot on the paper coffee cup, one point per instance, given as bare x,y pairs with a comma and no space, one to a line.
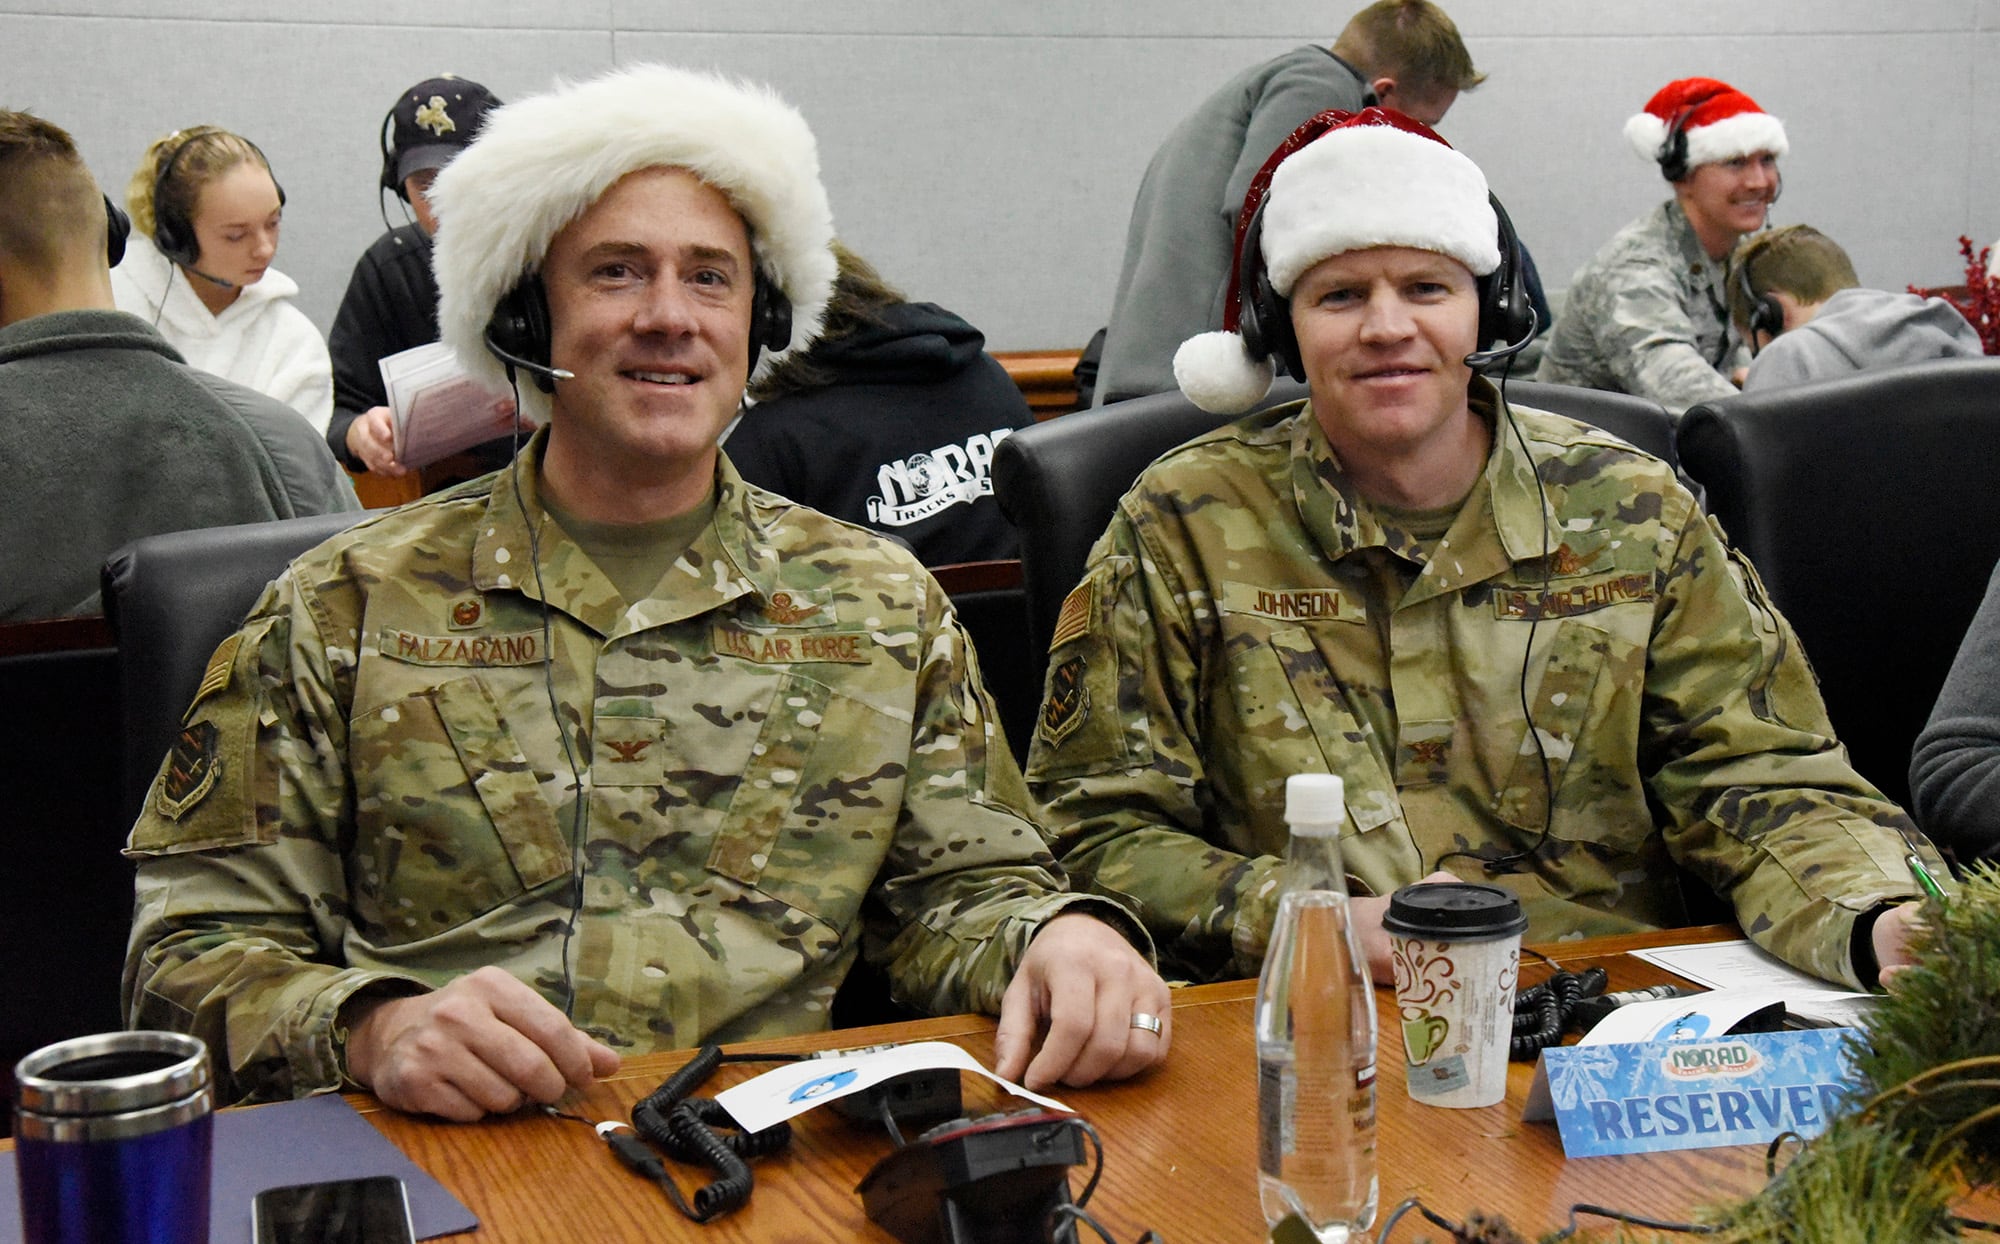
1457,956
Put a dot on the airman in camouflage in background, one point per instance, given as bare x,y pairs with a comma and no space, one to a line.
613,752
1649,313
1375,583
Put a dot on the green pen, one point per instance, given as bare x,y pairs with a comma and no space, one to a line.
1924,878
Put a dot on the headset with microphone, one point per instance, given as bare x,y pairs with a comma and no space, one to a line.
518,332
173,225
1767,314
1506,313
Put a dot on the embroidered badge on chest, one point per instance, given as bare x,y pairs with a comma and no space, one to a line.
466,614
1068,704
193,765
520,648
788,610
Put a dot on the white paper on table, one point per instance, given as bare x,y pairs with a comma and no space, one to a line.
795,1088
1742,964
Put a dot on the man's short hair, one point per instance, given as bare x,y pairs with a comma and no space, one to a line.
48,200
1798,260
1413,41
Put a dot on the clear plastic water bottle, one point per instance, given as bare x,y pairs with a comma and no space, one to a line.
1316,1035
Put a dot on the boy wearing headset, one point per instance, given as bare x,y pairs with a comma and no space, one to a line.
608,751
1648,314
1794,297
1516,639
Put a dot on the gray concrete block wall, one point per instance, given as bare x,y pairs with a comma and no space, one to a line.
985,154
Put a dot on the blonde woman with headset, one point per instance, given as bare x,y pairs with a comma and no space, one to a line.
206,212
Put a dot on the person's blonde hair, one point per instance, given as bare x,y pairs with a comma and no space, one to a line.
47,196
199,155
1413,41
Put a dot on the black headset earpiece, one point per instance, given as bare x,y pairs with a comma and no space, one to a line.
388,178
1263,316
117,231
518,332
770,318
1767,314
173,231
1673,154
1506,312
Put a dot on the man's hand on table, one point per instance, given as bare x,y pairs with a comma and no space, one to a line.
1080,984
1894,930
1367,912
483,1044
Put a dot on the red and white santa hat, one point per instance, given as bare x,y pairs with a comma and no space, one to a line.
1722,123
1341,182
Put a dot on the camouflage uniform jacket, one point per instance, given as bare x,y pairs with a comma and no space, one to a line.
787,756
1246,616
1648,315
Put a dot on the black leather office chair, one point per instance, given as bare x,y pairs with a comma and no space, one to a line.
1871,509
171,599
1060,480
65,892
1640,420
992,606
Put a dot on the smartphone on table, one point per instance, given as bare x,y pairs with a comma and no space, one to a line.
342,1211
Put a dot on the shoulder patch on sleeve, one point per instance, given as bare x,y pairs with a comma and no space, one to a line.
1073,619
190,772
1068,702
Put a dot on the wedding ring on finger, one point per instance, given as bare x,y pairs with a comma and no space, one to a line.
1150,1023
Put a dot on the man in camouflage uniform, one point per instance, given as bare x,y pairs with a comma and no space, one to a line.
1649,313
610,752
1366,584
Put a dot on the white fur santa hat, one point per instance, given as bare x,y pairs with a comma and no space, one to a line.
1341,182
1721,123
539,164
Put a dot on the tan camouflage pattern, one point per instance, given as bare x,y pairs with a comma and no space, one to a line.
787,754
1648,315
1252,618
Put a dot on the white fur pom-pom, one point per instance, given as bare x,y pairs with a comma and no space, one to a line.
1218,374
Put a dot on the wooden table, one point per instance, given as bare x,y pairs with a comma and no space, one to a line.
1180,1143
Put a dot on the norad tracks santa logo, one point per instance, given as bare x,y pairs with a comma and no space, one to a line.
1711,1058
931,482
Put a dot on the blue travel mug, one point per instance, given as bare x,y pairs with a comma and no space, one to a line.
112,1135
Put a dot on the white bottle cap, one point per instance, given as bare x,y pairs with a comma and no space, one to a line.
1315,803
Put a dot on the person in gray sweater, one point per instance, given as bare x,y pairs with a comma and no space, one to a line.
106,433
1955,767
1402,54
1794,297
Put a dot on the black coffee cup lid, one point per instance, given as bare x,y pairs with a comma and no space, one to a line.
1457,911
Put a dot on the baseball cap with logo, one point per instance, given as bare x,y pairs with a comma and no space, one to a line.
432,122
